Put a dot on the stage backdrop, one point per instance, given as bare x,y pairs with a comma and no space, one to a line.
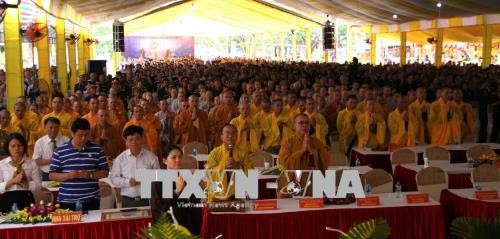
158,47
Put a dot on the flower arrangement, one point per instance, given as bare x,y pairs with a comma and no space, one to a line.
492,158
34,214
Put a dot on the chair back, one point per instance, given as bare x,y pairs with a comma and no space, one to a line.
189,162
380,180
260,157
107,198
486,173
436,153
432,180
200,147
338,159
476,152
403,156
43,194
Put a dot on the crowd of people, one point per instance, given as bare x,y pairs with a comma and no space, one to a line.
147,113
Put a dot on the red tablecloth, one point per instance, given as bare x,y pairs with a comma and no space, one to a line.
407,179
108,230
382,161
455,206
405,222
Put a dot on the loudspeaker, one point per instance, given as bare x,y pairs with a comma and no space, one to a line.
118,37
96,66
328,36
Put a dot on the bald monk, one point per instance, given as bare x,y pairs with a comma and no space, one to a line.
107,135
444,120
419,116
150,133
29,113
346,124
57,112
30,126
317,120
149,113
331,112
370,127
222,114
256,107
120,112
265,112
402,133
193,123
291,106
5,123
275,127
222,157
92,116
468,116
247,128
370,95
77,110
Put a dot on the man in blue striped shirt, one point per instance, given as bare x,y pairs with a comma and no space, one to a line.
79,164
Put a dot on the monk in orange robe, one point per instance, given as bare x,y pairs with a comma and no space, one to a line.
468,116
150,132
445,120
107,135
92,116
193,123
222,115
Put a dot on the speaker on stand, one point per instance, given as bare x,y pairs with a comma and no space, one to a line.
329,36
118,37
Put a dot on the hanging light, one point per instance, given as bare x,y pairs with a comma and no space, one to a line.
439,4
395,16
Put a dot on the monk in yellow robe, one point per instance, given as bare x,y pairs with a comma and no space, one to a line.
265,112
346,122
30,126
301,151
255,107
291,106
107,135
149,114
227,156
150,133
419,117
247,127
6,125
468,116
402,133
276,128
445,120
65,118
317,120
92,116
222,114
331,112
370,127
193,123
369,95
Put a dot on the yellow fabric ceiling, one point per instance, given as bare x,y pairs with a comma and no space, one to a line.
251,16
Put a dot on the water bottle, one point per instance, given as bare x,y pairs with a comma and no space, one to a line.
477,185
78,206
397,189
14,207
195,152
368,188
357,162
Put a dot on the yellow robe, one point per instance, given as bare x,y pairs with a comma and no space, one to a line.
367,138
150,134
347,130
220,116
271,131
415,119
400,136
30,126
292,159
11,129
321,126
92,118
254,109
217,161
66,121
247,140
361,108
468,119
444,131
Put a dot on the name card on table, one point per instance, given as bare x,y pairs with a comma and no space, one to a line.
487,195
263,205
311,203
368,201
417,198
66,217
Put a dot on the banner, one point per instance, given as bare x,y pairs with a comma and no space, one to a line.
158,47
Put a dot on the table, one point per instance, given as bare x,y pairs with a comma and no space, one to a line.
382,159
289,221
91,227
462,203
458,175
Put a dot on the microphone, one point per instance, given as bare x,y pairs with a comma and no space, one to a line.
231,150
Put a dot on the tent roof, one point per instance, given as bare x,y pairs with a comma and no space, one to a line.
365,11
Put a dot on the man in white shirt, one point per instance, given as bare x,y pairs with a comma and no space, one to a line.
46,145
123,171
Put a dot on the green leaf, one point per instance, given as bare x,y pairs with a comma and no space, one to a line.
475,228
164,228
370,229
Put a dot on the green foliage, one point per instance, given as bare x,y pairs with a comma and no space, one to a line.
475,228
370,229
164,228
